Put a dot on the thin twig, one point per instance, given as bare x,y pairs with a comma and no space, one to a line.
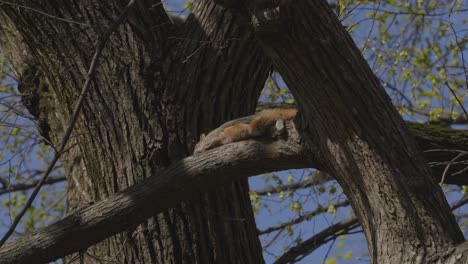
450,164
328,251
300,219
460,48
25,186
290,187
456,98
43,13
92,69
308,246
460,171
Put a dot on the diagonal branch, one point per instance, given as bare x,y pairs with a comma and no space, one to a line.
200,173
180,181
308,246
319,239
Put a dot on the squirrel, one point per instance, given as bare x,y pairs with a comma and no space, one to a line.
243,128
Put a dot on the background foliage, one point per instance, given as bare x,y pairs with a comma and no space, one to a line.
418,50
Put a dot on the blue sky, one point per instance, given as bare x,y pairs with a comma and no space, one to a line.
275,210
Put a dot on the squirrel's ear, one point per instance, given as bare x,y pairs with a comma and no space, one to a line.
202,136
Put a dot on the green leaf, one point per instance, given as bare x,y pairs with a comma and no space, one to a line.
340,244
253,196
296,207
14,131
348,255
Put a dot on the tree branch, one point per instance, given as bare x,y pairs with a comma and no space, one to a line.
308,246
290,187
182,180
319,239
301,218
318,178
25,186
439,144
199,173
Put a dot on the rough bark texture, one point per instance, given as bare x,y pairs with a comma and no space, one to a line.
348,121
182,180
161,84
443,149
151,97
40,100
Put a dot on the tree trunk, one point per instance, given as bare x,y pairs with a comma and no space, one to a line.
160,84
349,123
152,95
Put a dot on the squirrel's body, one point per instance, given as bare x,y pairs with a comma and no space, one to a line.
244,128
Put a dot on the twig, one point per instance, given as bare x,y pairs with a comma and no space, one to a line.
328,251
24,186
300,251
43,13
300,219
92,69
459,203
275,237
461,54
290,187
456,98
450,164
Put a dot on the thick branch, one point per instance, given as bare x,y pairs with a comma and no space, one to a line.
448,143
347,120
200,173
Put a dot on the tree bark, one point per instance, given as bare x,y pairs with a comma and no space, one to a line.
41,102
347,120
181,181
160,85
151,98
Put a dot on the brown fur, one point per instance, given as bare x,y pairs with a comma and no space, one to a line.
244,128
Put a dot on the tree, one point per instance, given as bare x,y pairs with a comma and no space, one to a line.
157,89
